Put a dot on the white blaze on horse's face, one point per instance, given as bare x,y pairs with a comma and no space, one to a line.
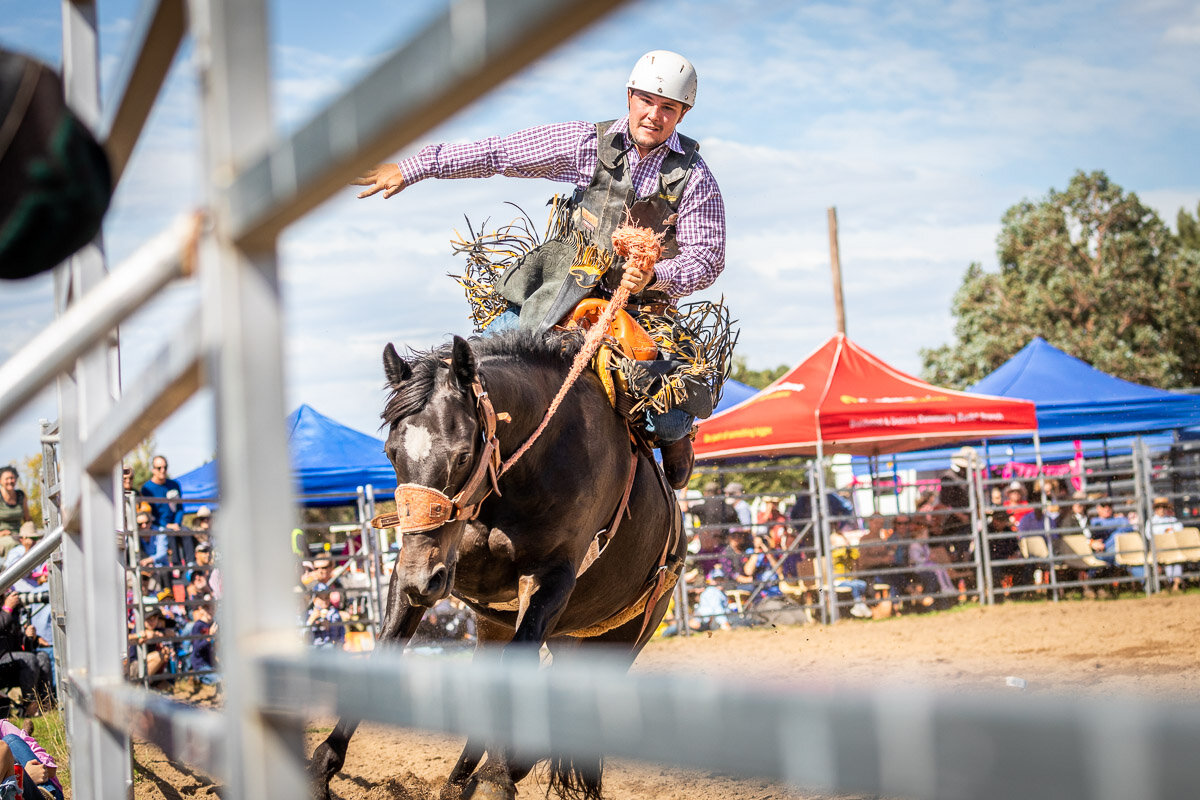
418,441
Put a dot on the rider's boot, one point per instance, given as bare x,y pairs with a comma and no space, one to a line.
678,460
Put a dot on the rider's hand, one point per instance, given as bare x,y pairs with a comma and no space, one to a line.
634,279
384,178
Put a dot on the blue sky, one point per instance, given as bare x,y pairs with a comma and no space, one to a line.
921,122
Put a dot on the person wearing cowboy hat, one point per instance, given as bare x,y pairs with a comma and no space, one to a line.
27,538
1163,520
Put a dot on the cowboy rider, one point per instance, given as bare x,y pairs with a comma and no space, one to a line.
638,165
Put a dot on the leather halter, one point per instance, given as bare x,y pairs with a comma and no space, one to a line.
421,508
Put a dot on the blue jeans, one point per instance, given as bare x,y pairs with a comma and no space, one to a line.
508,321
858,587
23,754
670,426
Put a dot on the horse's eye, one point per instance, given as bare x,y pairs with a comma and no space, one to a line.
463,458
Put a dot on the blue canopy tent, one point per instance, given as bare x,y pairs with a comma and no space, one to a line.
732,393
1075,401
328,458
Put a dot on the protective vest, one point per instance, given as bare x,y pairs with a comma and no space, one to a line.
544,285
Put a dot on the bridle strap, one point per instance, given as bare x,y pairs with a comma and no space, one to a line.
421,508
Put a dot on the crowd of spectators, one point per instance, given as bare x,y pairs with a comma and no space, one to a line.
26,671
171,602
761,548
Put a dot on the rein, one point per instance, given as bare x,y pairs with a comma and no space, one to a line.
591,344
421,508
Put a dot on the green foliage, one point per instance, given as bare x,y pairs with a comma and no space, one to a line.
139,459
30,482
1095,273
1189,228
758,378
782,476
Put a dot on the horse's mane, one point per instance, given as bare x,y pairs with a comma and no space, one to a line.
554,350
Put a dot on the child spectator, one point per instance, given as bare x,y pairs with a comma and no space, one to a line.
40,769
712,605
157,653
199,655
845,561
325,628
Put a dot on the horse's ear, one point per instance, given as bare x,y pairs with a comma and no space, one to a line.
462,364
395,368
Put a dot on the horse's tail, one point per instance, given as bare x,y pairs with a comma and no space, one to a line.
573,781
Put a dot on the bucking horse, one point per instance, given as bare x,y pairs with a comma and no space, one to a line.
577,542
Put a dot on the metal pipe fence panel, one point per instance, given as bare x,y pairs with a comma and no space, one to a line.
889,740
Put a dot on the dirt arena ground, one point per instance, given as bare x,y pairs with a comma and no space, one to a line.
1142,645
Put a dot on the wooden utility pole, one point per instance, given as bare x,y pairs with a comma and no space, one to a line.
839,303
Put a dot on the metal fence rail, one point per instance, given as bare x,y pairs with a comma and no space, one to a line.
894,740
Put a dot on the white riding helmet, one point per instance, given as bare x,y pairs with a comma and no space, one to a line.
665,74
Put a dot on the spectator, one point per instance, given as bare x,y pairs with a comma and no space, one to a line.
325,628
199,655
1105,525
21,663
954,496
845,561
761,568
157,652
1035,523
206,561
930,576
1016,502
741,509
715,516
14,509
40,769
32,581
1163,520
1074,521
772,524
712,607
27,538
156,548
197,585
203,560
168,514
321,571
202,525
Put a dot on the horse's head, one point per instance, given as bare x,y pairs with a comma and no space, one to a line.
436,442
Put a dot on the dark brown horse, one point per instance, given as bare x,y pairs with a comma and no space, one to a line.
520,563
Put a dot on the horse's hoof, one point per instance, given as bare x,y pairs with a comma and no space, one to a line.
491,791
501,788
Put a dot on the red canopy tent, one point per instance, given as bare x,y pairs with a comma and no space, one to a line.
843,399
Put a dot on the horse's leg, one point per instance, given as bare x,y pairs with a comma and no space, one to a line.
542,597
583,778
488,633
399,623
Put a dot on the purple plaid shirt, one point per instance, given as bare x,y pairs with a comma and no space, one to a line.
566,152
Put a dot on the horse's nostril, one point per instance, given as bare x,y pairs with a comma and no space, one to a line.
437,581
